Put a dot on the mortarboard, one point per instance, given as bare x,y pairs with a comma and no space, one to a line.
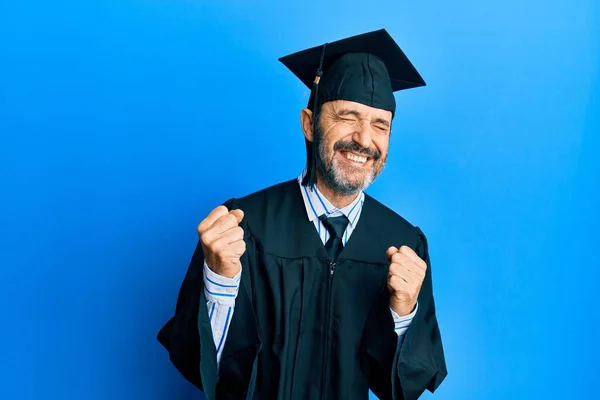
366,68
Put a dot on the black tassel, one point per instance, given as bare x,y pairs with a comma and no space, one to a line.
311,151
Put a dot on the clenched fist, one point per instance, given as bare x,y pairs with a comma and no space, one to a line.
407,271
223,241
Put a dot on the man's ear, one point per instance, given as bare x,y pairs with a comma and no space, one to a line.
306,123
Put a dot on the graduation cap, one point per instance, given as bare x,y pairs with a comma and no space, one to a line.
366,68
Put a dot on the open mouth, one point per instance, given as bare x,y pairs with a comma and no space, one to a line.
355,158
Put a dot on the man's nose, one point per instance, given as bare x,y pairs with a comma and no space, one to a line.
363,136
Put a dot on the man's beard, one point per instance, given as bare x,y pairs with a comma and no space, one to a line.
333,174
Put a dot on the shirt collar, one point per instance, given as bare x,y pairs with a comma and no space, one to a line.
316,204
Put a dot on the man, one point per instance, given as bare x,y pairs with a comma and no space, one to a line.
312,289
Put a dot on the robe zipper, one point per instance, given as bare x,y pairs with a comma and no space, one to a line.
326,356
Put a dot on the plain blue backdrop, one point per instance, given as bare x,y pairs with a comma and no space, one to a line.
122,123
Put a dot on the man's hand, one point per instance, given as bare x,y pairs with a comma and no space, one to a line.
405,278
223,241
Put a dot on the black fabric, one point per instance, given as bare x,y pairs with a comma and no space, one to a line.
366,68
359,77
299,331
336,227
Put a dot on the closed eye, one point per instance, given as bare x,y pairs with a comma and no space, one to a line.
348,115
382,122
382,125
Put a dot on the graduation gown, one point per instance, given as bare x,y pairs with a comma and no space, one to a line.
305,328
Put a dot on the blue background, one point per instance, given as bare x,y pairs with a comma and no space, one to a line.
123,123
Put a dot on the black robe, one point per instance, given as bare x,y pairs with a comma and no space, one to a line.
303,328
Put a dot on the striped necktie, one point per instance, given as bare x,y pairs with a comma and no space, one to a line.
336,227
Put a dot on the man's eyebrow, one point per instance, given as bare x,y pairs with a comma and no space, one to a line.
357,115
348,112
383,122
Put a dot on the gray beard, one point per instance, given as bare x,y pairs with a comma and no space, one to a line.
334,177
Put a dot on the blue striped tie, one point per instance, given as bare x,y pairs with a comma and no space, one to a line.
336,227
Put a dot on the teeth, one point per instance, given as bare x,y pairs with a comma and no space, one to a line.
356,158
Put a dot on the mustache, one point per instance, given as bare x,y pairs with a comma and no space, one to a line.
356,148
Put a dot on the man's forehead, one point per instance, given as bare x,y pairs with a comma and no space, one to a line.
364,111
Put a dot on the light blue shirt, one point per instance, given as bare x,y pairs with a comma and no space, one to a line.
221,292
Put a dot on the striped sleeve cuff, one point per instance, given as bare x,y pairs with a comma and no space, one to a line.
401,324
219,289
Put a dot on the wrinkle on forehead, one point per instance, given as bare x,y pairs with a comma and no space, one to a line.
361,111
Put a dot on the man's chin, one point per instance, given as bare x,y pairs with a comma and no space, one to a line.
354,183
348,179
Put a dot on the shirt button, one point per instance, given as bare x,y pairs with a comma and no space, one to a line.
219,333
230,290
